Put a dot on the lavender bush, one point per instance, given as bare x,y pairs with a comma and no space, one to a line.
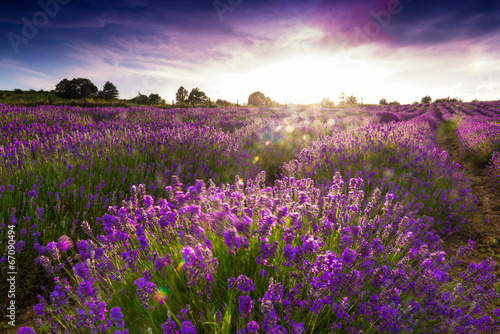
254,259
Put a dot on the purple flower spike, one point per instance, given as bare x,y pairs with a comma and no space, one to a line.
116,316
80,270
169,327
144,291
64,243
252,327
244,284
188,328
244,306
53,251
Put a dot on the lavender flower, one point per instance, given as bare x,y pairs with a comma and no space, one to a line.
64,243
252,327
116,316
86,228
144,291
244,284
53,251
244,306
169,327
85,290
187,328
80,269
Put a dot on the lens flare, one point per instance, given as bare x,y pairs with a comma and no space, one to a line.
278,128
289,128
160,295
331,122
267,143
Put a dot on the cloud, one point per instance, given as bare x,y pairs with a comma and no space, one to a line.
155,46
13,66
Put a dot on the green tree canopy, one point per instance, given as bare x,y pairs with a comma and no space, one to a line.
154,99
197,96
426,99
140,99
77,88
182,95
108,92
448,99
258,99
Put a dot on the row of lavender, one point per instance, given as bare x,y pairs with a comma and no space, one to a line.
478,134
308,253
62,165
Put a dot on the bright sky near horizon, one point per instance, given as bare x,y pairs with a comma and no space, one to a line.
292,51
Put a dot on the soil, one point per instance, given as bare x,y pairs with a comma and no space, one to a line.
25,317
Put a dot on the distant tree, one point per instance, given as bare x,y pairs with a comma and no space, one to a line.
197,97
182,95
352,100
395,103
65,89
223,103
448,99
426,99
382,102
108,92
257,99
140,99
18,90
342,98
154,99
76,88
326,103
84,88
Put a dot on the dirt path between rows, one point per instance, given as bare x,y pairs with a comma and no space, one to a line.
485,227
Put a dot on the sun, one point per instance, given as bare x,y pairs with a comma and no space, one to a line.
308,78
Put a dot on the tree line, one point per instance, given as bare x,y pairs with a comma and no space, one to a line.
83,88
425,100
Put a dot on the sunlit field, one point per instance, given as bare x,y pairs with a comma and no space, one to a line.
245,220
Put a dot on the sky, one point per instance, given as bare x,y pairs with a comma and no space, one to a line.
292,51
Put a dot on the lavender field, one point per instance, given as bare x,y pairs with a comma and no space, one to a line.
257,220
